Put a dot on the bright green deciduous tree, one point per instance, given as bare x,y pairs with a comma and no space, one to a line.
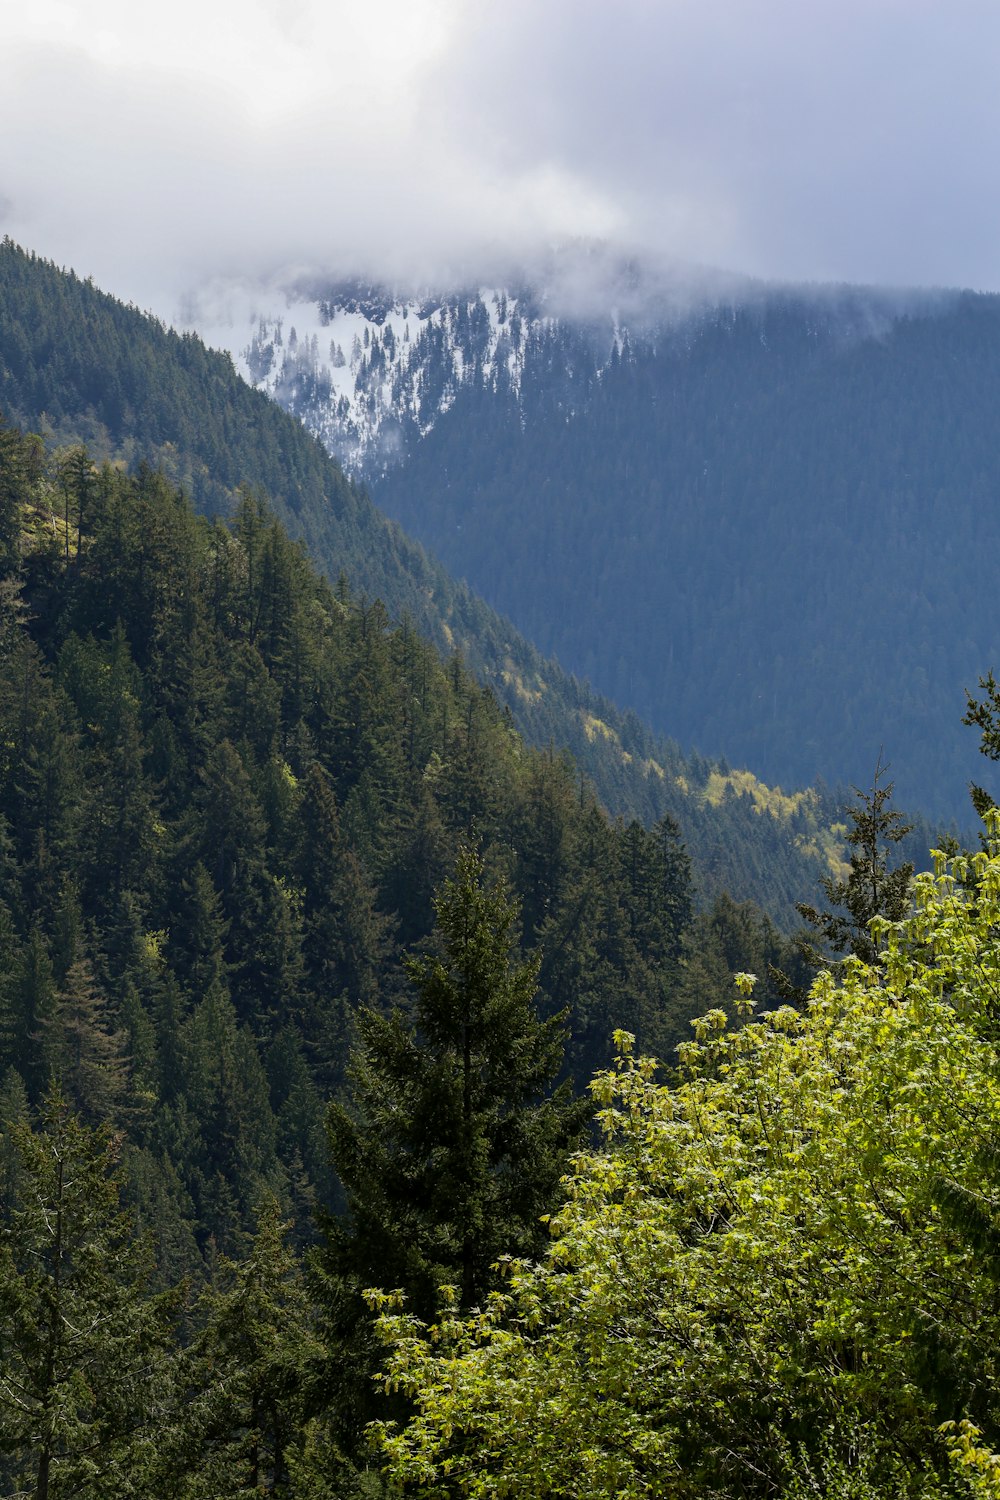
775,1279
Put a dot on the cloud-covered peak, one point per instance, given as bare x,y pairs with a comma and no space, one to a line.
416,139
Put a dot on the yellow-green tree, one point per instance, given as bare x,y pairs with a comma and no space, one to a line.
778,1277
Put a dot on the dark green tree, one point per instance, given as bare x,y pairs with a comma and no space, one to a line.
871,889
244,1382
453,1145
32,1036
21,463
343,934
226,1090
78,482
95,1067
984,714
83,1347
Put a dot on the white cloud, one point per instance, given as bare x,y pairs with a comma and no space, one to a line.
848,139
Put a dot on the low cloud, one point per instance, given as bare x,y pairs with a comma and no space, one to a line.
421,140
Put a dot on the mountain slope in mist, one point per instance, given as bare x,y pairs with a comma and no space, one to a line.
763,520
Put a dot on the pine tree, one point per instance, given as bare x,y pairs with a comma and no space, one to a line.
984,715
871,889
453,1145
227,1092
21,463
247,1373
78,483
343,934
33,1036
95,1072
81,1344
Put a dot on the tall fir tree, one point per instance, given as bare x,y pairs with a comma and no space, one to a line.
83,1347
872,888
453,1144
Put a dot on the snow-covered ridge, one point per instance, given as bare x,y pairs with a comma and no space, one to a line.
369,371
366,371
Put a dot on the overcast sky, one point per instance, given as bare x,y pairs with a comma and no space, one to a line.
157,147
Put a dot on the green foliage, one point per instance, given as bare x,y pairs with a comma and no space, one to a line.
763,1282
83,1348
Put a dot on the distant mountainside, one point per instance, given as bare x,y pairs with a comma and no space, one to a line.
764,520
83,367
371,369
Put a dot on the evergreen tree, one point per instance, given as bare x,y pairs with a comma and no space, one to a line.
871,889
20,469
78,483
245,1379
95,1070
453,1144
82,1347
342,932
984,715
32,1020
227,1092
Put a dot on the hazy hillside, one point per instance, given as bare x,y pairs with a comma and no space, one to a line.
785,526
763,519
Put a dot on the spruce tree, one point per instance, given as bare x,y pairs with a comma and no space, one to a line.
32,1041
871,889
984,714
21,463
453,1145
83,1346
246,1376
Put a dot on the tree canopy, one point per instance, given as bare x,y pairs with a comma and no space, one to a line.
779,1277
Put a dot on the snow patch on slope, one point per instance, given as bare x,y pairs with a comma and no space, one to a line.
369,372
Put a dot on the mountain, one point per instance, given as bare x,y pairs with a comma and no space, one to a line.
371,369
763,519
232,793
83,367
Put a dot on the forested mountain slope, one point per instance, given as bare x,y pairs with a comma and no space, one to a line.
83,367
226,790
228,793
761,518
786,521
